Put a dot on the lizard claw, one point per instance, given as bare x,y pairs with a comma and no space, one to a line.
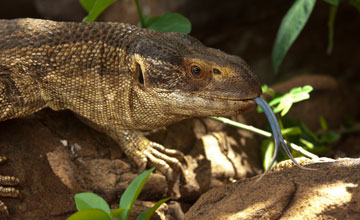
147,153
7,191
3,209
171,152
170,163
174,158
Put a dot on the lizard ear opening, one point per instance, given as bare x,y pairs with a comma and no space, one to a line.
139,75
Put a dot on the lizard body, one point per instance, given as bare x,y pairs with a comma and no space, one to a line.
120,79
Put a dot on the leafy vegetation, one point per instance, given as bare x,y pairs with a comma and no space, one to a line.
91,206
296,132
291,26
298,135
284,102
168,22
295,20
95,8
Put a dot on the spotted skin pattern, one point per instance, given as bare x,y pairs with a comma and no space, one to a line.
120,79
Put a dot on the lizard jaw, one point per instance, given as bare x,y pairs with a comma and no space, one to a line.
203,105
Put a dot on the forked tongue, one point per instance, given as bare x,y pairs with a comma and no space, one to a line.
278,138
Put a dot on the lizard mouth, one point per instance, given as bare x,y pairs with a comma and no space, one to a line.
214,97
226,98
196,104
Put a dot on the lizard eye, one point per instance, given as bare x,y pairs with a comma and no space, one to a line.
196,71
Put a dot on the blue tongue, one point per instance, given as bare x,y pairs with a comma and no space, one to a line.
278,138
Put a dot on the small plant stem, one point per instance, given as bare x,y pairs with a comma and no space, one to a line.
141,16
264,133
243,126
302,150
333,10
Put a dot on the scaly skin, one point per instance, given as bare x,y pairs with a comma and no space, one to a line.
120,79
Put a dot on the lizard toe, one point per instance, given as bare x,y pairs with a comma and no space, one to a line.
156,160
3,209
167,157
7,191
170,152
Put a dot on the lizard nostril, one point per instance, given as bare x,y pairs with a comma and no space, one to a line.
216,71
139,75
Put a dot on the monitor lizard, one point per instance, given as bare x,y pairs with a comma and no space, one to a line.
120,79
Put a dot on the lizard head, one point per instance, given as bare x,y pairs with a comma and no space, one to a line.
192,79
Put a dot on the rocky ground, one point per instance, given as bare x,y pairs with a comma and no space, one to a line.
56,156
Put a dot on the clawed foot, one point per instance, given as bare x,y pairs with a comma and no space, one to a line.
144,153
169,162
7,191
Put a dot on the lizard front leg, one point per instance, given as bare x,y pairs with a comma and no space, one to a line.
145,152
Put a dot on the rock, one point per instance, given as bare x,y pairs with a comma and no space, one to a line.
329,192
216,154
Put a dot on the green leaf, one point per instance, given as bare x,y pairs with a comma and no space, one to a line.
276,100
295,95
330,137
323,123
291,26
308,144
331,22
142,17
169,22
291,131
97,8
284,102
87,4
333,2
117,212
308,134
284,105
132,192
146,215
90,214
267,149
266,89
355,3
90,200
307,89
